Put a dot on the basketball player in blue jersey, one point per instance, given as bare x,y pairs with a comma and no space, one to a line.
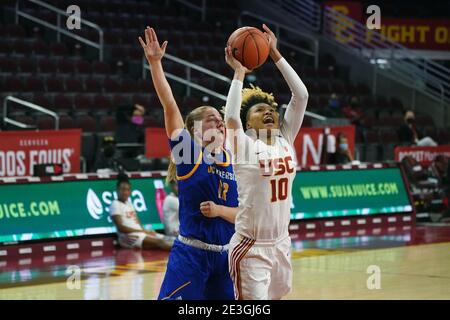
198,263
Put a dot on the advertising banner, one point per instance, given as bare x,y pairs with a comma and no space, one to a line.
21,150
424,155
337,193
413,33
72,208
81,207
309,143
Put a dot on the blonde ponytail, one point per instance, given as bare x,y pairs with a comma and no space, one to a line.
171,172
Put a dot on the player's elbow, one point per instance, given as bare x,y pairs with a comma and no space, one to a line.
232,123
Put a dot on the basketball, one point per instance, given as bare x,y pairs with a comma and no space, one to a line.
250,46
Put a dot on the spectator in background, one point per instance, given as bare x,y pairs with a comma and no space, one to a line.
334,106
170,211
409,134
352,111
131,234
342,155
107,160
130,124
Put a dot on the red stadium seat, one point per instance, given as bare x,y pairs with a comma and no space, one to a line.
93,85
63,102
82,102
40,48
45,123
101,102
47,65
33,84
66,122
108,123
55,84
58,49
83,67
86,123
27,65
66,66
74,85
101,67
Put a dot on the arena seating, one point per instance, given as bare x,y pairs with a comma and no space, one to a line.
69,79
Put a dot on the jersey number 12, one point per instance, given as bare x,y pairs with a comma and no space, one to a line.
223,189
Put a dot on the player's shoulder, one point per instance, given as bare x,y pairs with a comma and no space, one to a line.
116,207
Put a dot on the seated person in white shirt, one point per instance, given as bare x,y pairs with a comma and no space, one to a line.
131,233
170,209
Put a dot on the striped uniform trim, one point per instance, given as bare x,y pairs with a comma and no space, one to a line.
236,256
176,290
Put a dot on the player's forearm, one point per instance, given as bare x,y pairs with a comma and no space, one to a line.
233,104
293,80
172,116
275,55
228,213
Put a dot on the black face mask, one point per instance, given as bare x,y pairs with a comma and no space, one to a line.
410,121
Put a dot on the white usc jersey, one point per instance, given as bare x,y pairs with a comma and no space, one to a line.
265,184
265,189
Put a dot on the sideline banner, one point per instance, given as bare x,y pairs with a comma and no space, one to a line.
309,143
424,155
33,211
21,150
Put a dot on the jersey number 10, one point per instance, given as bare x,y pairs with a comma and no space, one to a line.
279,189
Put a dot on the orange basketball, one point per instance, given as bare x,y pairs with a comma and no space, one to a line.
250,46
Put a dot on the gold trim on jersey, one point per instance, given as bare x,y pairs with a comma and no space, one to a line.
197,163
227,159
176,290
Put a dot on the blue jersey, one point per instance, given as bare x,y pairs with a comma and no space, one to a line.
201,177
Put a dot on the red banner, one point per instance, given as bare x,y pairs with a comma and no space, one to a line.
309,143
351,9
21,150
156,143
424,155
421,34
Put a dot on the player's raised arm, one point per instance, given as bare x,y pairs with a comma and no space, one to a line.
234,98
295,112
154,53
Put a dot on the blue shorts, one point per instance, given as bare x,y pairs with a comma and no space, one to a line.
196,274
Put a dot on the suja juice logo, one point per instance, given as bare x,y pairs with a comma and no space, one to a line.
21,163
98,206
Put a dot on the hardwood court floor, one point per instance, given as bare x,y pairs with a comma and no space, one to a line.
321,271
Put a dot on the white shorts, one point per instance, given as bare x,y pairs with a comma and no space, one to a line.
131,240
260,271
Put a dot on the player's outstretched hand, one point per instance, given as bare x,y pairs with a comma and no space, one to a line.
274,53
270,37
153,51
233,62
209,209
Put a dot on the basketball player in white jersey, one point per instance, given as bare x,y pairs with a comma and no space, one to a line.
130,232
264,165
